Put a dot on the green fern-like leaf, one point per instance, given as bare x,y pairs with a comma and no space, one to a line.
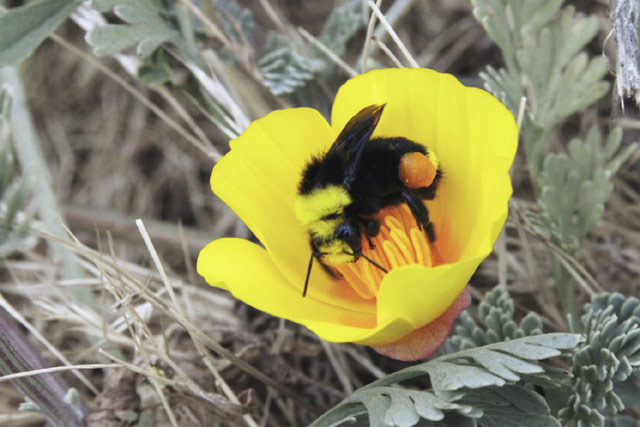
575,187
608,357
471,387
543,50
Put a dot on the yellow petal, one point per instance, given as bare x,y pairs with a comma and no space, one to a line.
246,270
258,180
420,294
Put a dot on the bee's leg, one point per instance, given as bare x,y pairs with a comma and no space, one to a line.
429,193
371,229
419,211
328,269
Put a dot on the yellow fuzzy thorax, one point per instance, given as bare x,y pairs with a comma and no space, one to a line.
313,207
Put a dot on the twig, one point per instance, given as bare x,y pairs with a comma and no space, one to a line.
217,32
367,39
383,47
337,367
56,369
209,151
521,109
393,34
624,18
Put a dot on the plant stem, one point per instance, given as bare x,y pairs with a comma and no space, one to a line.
47,391
36,173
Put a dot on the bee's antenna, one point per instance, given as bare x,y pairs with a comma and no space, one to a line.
306,281
372,262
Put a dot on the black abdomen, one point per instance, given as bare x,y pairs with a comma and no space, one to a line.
377,183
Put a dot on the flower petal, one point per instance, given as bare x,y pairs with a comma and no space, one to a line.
418,295
424,341
258,180
223,263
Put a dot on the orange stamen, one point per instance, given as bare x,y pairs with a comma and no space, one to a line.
400,242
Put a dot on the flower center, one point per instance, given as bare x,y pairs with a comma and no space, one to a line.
400,242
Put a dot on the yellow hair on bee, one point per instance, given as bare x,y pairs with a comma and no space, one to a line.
336,252
311,208
434,159
323,229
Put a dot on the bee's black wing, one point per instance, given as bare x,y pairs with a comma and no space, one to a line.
354,136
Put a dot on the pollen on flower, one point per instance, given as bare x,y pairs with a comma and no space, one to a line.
400,242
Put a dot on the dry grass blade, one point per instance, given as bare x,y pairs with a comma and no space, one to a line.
376,10
129,284
367,39
165,280
56,369
383,47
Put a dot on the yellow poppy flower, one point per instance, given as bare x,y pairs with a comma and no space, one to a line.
407,312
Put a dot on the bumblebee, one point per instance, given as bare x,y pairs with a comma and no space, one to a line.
342,190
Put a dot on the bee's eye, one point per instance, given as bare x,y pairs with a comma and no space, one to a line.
331,216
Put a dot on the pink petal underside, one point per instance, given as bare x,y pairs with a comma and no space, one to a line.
424,341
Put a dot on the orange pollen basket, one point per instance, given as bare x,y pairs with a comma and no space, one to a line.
400,242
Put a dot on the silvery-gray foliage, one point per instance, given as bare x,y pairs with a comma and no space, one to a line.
496,323
605,362
576,185
283,68
474,387
14,224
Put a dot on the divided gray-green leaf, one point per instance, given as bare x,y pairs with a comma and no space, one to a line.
474,385
145,28
542,45
576,185
242,18
22,29
284,69
511,405
606,360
